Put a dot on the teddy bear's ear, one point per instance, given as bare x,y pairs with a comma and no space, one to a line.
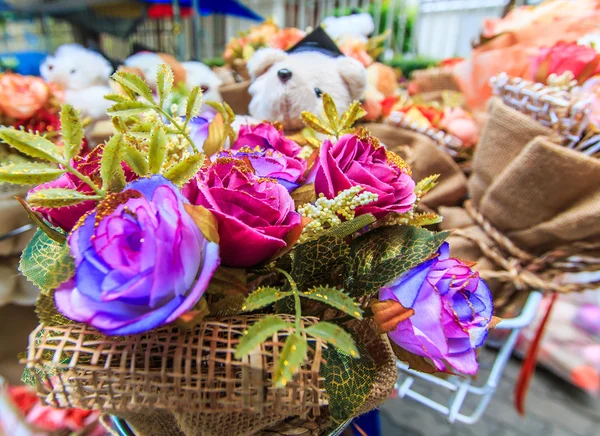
354,74
264,59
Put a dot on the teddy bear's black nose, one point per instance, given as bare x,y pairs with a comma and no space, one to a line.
284,75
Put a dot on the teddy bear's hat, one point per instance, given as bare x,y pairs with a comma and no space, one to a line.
318,40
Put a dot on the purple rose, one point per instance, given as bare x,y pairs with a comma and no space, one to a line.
453,309
89,165
272,164
141,261
199,125
254,215
267,137
352,161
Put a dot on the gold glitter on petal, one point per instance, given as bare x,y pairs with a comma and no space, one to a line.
397,161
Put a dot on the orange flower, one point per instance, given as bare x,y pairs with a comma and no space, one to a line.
286,38
22,96
356,48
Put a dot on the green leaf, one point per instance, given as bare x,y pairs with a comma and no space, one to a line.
29,173
164,81
382,255
424,219
111,170
318,259
46,263
262,297
335,298
157,150
128,108
31,145
258,333
316,124
58,197
352,114
290,359
136,160
71,130
194,103
348,381
37,218
135,83
117,98
330,110
181,172
335,335
350,227
426,185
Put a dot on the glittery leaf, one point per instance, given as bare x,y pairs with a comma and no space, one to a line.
134,83
335,335
136,160
426,185
47,312
31,144
350,227
111,170
315,260
352,114
194,103
53,233
157,150
262,297
290,359
216,136
31,173
58,197
335,298
348,381
382,255
71,130
424,219
316,124
164,81
259,332
330,110
45,262
181,172
128,108
117,98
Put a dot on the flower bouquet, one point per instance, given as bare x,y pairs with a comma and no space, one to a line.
210,291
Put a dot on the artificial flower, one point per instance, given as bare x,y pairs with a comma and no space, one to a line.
581,60
22,96
267,136
253,214
272,164
286,38
356,48
449,62
592,87
140,261
452,311
359,161
461,124
89,165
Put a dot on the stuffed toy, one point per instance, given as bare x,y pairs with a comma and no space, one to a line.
84,76
355,25
286,83
189,73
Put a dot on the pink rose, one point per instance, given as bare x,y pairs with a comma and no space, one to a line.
67,217
355,160
461,124
22,96
254,215
581,60
268,137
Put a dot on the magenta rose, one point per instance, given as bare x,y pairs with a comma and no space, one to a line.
89,165
453,310
140,261
272,164
353,161
268,137
253,214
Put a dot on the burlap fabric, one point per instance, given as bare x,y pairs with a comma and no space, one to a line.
435,79
536,193
170,382
425,158
236,95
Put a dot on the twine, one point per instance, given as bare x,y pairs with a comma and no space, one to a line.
521,268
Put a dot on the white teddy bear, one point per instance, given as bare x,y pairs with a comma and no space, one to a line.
286,83
84,76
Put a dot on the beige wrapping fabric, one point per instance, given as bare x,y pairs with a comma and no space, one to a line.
435,79
425,158
538,194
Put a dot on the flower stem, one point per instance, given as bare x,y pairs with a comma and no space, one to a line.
297,303
178,127
86,180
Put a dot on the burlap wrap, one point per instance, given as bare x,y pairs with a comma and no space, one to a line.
435,79
171,382
425,158
538,194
